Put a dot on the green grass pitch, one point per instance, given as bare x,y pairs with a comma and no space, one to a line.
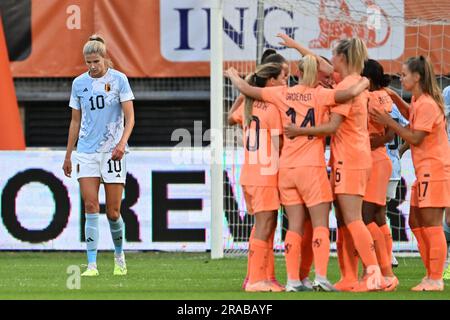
154,275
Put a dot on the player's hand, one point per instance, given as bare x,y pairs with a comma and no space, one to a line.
231,73
375,141
290,131
389,91
380,116
365,82
287,41
118,151
67,167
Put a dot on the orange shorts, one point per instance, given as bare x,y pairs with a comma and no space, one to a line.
260,198
430,194
378,182
304,185
349,181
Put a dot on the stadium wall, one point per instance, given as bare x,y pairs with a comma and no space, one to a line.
165,206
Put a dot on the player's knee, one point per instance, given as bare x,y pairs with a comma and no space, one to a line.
264,228
91,206
380,219
267,230
296,226
367,218
113,213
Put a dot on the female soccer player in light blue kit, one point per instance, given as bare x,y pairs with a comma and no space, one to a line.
101,99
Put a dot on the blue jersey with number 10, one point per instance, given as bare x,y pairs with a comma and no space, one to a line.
102,119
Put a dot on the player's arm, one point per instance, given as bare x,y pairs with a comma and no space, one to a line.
341,96
236,104
401,104
324,66
277,143
74,130
378,140
291,131
128,111
242,85
414,137
402,149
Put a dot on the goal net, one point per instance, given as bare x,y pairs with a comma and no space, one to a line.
393,30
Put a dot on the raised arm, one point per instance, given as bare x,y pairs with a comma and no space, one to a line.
291,43
401,104
242,85
239,100
291,131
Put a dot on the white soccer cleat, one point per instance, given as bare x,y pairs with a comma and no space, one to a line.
394,261
323,285
307,283
296,286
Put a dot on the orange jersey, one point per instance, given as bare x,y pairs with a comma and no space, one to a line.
379,100
305,107
350,146
431,158
260,166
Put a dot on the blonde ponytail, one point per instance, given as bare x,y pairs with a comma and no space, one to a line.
355,52
310,70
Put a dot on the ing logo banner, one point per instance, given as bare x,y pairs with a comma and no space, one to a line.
171,38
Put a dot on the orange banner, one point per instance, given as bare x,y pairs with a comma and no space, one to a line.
11,132
152,38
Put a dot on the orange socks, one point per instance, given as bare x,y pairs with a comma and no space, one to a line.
437,247
363,242
292,253
271,258
350,257
252,235
340,250
380,249
423,247
388,240
321,249
258,255
307,250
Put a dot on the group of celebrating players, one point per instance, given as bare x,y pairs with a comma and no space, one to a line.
348,99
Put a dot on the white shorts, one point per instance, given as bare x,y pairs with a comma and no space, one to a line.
392,189
100,165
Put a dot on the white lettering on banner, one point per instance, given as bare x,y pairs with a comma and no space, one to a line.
185,28
74,19
166,205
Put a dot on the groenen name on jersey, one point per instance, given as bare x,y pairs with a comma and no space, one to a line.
295,96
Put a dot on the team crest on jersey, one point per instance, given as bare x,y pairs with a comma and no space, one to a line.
107,87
